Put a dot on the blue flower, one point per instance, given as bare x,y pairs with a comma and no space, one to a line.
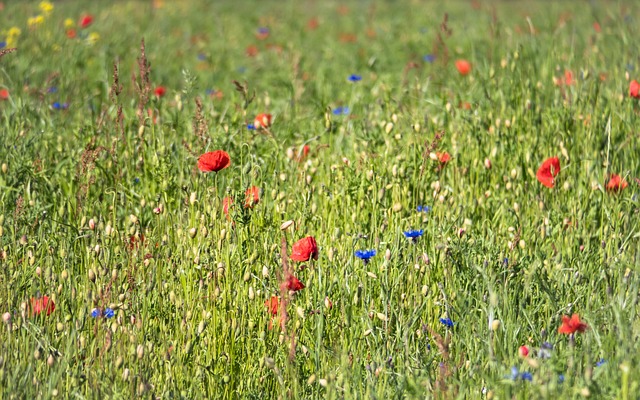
413,235
109,313
526,376
560,378
355,78
95,313
365,255
3,45
447,322
429,58
515,374
600,362
263,30
425,209
251,127
202,56
60,106
52,89
341,111
136,180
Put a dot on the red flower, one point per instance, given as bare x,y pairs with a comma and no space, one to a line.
135,242
227,203
272,305
41,304
86,20
616,183
463,66
262,121
252,51
523,351
160,91
596,27
71,33
634,89
252,197
443,158
4,94
548,171
312,24
572,325
214,161
294,284
304,249
305,153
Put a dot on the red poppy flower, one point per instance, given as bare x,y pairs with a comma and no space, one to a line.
135,242
548,171
262,121
227,203
214,161
38,305
596,27
160,91
443,158
312,24
304,249
4,94
293,284
634,89
272,305
463,66
304,154
252,197
572,325
523,351
71,33
251,51
616,183
86,20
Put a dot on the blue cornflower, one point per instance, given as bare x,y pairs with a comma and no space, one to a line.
109,313
600,362
447,322
425,209
3,44
365,255
95,313
341,111
60,106
526,376
413,235
136,180
514,373
355,78
429,58
251,127
560,378
263,30
202,56
52,89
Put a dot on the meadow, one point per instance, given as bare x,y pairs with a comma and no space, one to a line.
319,199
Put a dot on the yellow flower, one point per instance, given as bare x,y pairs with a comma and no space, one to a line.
35,21
93,38
14,32
69,23
11,42
46,7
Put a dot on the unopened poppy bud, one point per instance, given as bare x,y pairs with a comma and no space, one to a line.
192,198
96,249
23,240
389,127
265,271
140,351
192,232
523,351
290,153
108,230
416,127
251,293
327,303
387,254
394,118
514,173
37,354
495,325
285,225
92,224
51,360
487,163
6,317
5,168
92,275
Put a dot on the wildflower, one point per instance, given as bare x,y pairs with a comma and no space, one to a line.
262,121
46,7
3,44
160,91
293,284
515,375
214,161
262,33
303,154
96,313
616,183
601,362
312,24
354,78
305,249
4,94
463,66
251,51
429,58
560,378
272,305
227,203
365,255
93,38
251,127
109,313
572,325
548,171
33,22
38,305
85,21
69,23
545,350
71,33
341,111
443,158
526,376
413,235
523,351
252,197
60,106
425,209
447,322
634,89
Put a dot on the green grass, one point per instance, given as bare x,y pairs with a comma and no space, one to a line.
188,285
